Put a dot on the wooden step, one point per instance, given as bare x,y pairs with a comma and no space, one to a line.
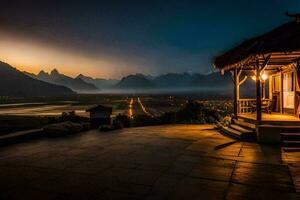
231,132
239,128
291,149
289,129
290,136
291,143
244,124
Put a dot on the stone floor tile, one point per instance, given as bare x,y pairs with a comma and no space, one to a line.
90,167
264,175
241,192
191,188
212,172
56,162
25,193
164,186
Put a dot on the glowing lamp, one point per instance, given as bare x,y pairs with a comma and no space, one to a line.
264,76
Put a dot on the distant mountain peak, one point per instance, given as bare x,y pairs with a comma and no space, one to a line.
81,76
42,73
19,84
98,82
140,74
76,84
135,81
54,72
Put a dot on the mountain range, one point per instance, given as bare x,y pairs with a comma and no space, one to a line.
17,84
56,83
76,84
137,81
100,83
175,80
84,83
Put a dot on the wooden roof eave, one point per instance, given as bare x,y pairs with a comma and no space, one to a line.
277,59
239,64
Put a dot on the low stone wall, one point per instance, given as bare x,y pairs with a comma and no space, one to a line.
65,128
268,134
21,136
272,133
52,130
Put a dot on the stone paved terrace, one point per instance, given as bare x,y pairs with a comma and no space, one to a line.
162,162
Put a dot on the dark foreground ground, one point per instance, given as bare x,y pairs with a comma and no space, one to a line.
162,162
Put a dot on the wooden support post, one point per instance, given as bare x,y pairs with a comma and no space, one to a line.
237,82
258,93
236,92
281,92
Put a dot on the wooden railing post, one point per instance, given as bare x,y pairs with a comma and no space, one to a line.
245,105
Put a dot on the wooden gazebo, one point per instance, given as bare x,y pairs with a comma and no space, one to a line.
274,55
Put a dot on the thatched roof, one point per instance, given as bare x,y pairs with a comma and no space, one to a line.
283,43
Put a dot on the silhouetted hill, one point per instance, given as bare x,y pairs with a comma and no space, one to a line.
17,84
76,84
215,81
98,82
137,81
172,80
32,75
212,80
176,80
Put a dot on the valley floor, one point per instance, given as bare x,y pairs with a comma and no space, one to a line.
158,162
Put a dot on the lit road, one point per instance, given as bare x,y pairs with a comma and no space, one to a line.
130,108
143,107
136,107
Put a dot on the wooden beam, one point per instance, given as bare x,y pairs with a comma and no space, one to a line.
279,58
264,64
240,71
266,61
242,81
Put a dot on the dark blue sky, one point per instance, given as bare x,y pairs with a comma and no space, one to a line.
141,36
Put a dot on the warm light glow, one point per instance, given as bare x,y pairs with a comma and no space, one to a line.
130,109
264,76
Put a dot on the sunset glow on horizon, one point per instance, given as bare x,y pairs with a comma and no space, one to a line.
27,55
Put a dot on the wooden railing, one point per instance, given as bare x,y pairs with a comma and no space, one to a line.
245,105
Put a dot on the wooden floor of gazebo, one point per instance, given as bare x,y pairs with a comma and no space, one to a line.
275,118
271,117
